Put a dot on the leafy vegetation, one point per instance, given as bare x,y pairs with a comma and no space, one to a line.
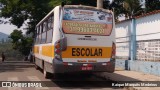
34,10
127,8
20,42
152,5
9,52
20,10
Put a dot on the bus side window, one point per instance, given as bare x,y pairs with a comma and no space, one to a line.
52,22
46,29
35,38
44,32
40,34
50,29
37,35
49,23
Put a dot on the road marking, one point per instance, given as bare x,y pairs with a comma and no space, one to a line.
35,78
13,79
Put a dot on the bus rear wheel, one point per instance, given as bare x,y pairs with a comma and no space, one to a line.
36,67
46,74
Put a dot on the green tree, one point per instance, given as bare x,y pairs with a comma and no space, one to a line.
82,2
20,10
132,8
129,8
16,35
152,5
20,42
117,6
25,45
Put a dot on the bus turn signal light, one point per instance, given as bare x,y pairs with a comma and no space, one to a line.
57,46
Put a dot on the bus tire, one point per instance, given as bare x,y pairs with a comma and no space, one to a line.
89,74
57,75
46,74
36,67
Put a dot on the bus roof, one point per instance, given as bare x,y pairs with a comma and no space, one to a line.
87,7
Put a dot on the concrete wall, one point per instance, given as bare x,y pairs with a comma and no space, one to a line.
122,39
146,28
146,67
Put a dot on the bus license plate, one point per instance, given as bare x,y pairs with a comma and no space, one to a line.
87,68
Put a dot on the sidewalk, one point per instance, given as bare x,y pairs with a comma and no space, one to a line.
124,75
16,62
12,61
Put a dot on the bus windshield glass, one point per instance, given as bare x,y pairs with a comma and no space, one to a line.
87,22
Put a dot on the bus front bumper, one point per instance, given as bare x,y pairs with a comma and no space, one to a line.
67,67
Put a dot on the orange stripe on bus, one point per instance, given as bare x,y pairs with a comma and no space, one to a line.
36,49
48,51
87,52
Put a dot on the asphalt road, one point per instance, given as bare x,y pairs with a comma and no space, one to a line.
25,71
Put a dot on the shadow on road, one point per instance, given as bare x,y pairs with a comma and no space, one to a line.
72,80
82,81
14,66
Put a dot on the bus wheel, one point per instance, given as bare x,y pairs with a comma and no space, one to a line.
58,75
46,74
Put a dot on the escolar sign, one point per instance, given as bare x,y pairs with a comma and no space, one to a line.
86,52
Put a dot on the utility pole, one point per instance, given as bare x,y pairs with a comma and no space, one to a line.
99,3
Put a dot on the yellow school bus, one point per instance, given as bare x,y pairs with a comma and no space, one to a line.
75,38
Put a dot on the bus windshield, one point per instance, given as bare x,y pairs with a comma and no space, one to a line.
87,22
